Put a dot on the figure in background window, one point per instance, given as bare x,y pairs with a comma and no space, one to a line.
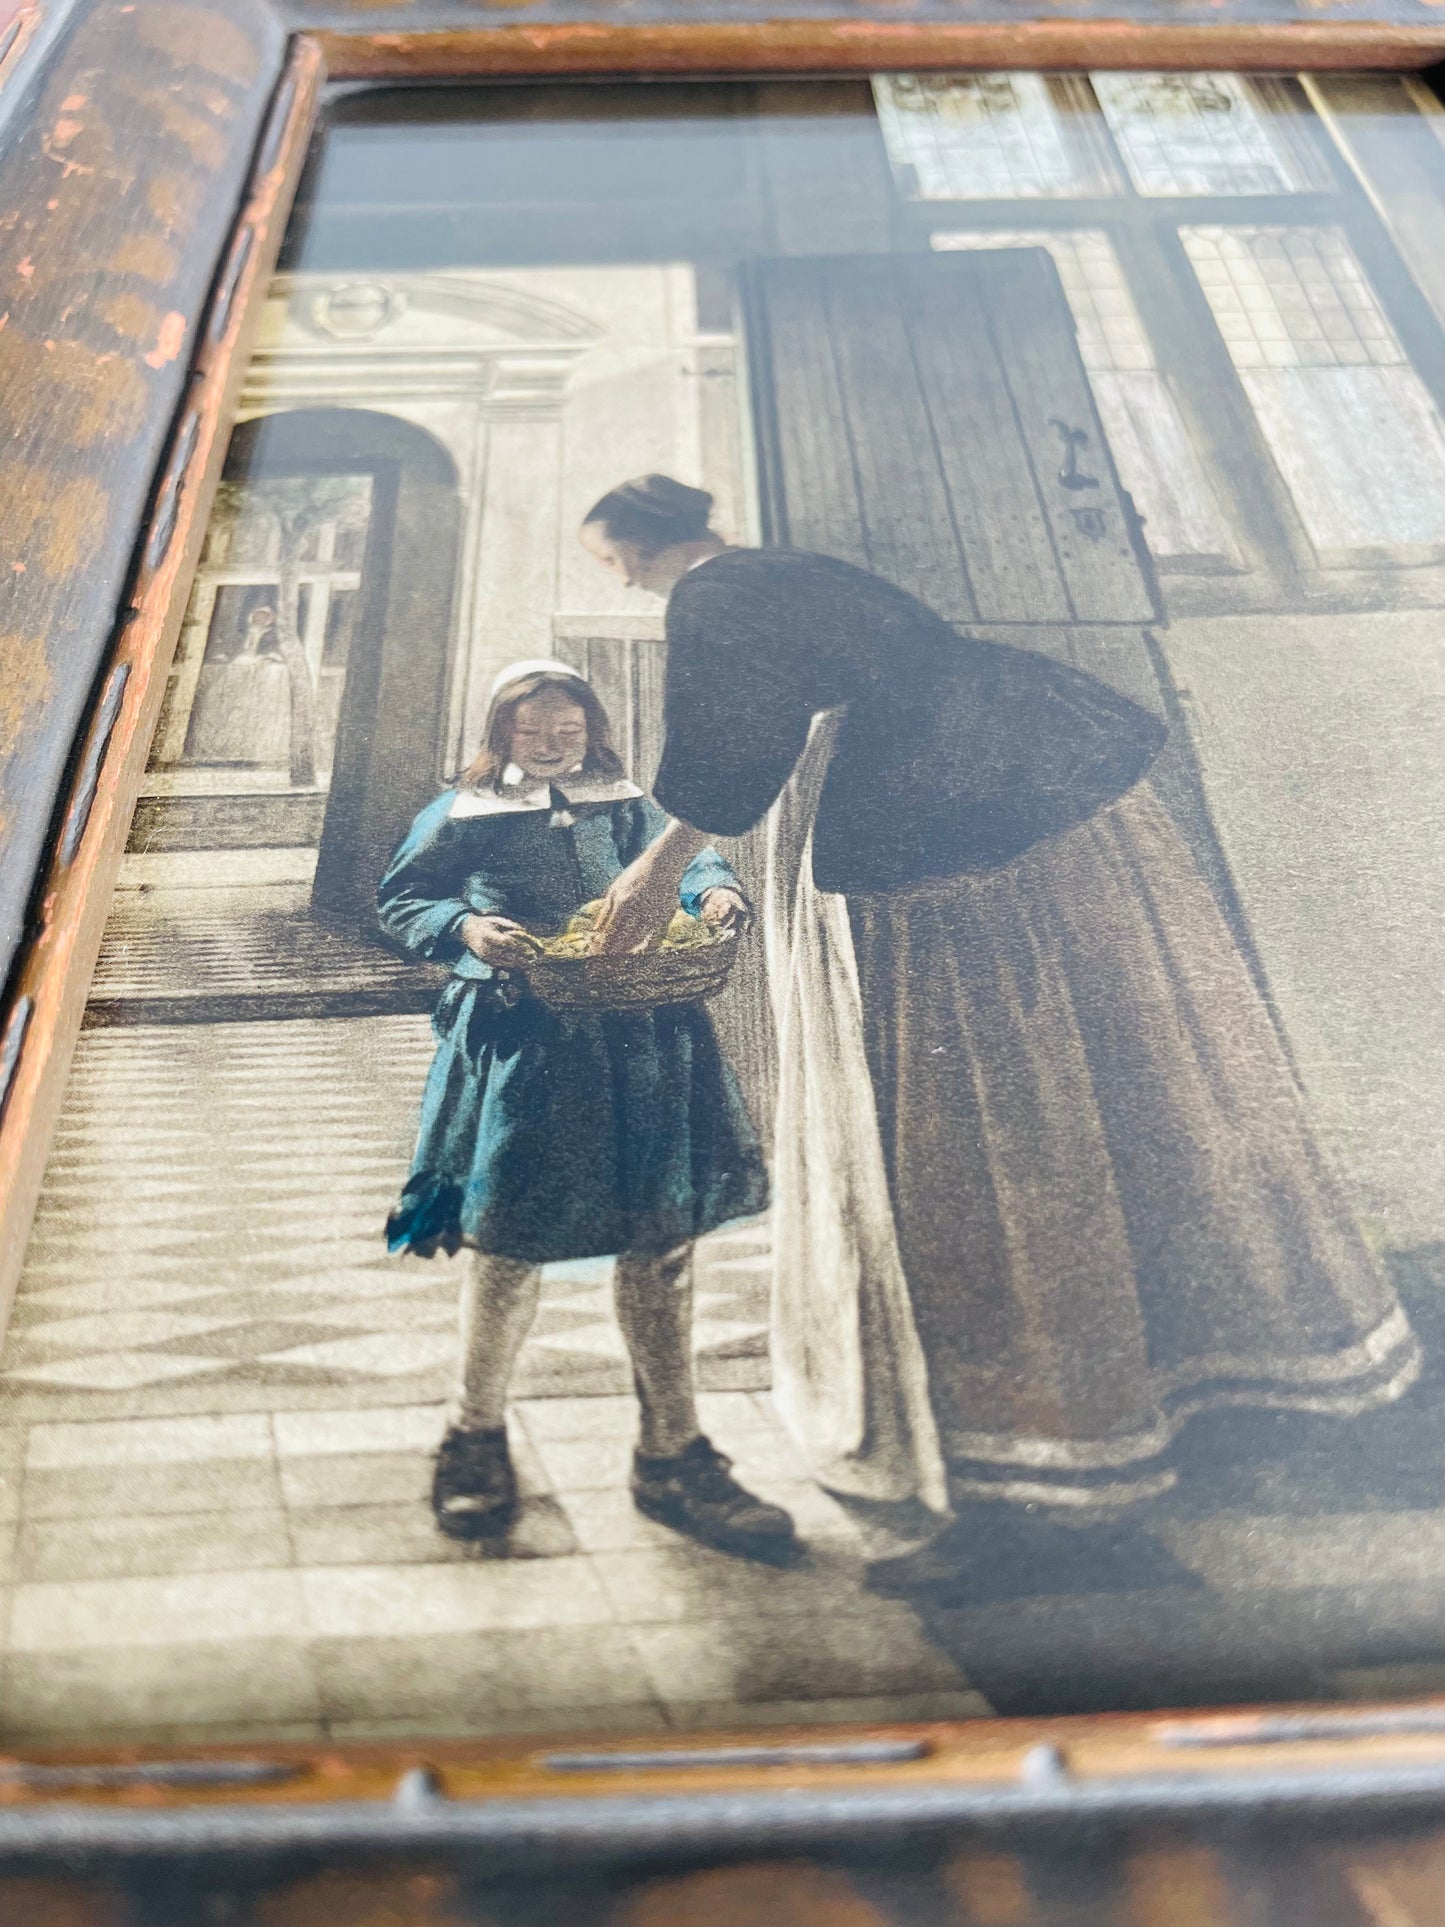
1044,1186
548,1135
241,714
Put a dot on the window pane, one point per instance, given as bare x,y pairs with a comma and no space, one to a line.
978,137
1349,422
1156,459
1197,134
233,705
1290,297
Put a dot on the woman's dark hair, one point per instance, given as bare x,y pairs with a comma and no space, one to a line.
485,768
653,511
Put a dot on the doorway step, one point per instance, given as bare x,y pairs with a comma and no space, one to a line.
245,956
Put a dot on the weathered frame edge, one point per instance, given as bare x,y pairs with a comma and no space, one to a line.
991,1775
45,999
780,46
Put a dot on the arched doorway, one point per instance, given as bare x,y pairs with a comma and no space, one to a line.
386,754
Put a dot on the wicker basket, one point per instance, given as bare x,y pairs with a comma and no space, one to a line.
645,982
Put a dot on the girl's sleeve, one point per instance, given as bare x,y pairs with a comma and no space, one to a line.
707,871
737,705
416,898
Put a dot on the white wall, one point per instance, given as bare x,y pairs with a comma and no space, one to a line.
1321,740
546,386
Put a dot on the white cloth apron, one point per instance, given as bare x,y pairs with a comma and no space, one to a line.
849,1376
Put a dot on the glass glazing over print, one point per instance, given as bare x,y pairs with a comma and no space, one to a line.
966,570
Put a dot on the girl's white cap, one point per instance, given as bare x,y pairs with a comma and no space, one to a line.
531,666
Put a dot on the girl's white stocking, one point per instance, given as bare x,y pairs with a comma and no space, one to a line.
654,1309
498,1306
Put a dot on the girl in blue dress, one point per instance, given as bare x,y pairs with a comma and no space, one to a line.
548,1135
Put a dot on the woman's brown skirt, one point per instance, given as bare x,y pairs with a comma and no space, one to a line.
1110,1210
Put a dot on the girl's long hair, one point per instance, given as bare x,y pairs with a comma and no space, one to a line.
485,769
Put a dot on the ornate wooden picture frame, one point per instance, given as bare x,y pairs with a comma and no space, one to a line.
149,155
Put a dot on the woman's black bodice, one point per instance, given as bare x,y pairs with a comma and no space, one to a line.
954,755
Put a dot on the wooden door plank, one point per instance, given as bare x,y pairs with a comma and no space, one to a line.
1097,539
995,500
609,670
801,405
650,674
909,531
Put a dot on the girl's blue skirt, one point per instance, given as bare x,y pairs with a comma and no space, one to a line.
547,1135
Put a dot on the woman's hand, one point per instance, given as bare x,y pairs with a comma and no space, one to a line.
729,909
498,941
637,908
642,901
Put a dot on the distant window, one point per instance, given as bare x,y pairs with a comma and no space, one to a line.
980,137
1350,424
229,716
1157,461
1204,134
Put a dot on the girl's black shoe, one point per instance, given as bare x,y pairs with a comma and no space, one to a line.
694,1492
474,1489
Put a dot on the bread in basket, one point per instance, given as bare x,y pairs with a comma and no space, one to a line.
691,962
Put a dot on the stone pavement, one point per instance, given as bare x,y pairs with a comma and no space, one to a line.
217,1410
220,1397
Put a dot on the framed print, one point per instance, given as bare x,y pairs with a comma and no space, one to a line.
746,903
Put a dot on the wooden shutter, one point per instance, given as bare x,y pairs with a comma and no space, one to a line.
927,416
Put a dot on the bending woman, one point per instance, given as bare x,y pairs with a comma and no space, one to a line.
1044,1183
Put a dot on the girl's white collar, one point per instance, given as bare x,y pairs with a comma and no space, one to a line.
519,793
